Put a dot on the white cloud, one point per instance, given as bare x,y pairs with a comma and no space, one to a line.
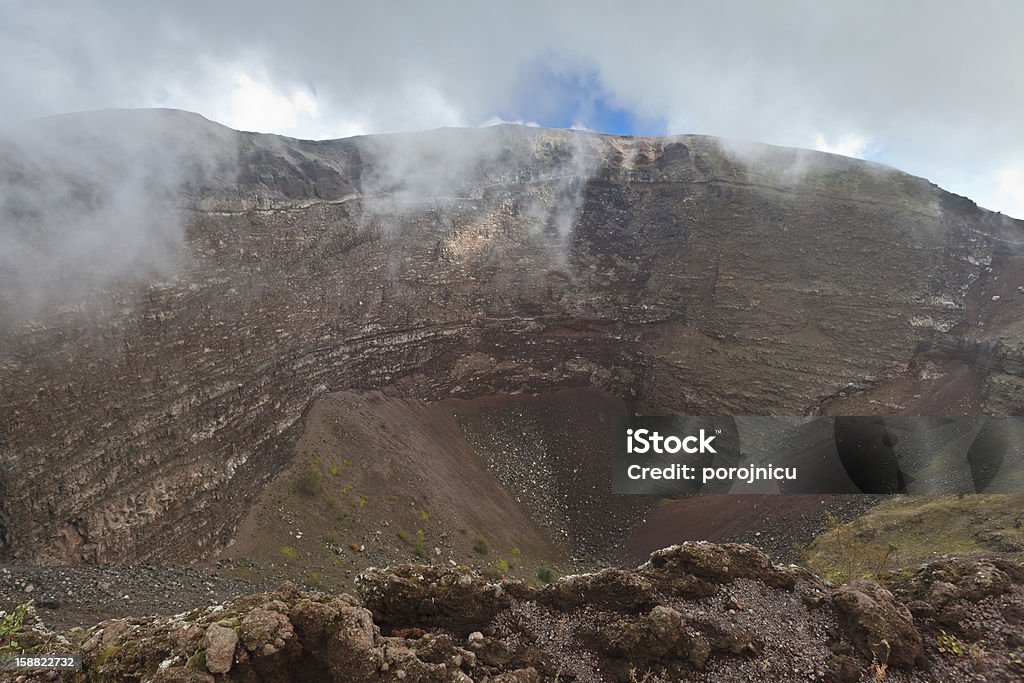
778,72
1007,191
429,105
847,145
255,105
1002,190
246,98
498,121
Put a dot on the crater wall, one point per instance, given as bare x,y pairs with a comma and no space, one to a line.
140,418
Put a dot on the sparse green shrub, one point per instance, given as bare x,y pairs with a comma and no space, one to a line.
416,544
11,625
480,547
112,652
197,661
545,574
289,552
502,565
424,516
850,557
949,644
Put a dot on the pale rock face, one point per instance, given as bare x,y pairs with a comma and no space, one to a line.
140,417
220,644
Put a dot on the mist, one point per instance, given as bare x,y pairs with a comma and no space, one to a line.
440,170
91,200
926,87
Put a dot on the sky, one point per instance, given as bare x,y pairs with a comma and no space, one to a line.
933,88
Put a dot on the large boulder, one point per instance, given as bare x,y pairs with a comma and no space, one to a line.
454,598
658,637
881,628
220,644
694,569
948,580
611,589
266,632
339,633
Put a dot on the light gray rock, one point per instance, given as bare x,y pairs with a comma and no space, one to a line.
220,644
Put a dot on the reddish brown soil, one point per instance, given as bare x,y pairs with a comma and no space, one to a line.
529,475
386,480
503,483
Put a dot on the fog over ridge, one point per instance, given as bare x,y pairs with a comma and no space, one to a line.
927,87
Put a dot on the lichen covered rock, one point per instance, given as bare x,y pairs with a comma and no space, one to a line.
880,628
451,625
454,598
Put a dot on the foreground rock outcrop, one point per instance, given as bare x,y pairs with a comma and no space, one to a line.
748,620
684,274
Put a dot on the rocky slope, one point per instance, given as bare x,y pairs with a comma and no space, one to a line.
145,404
695,612
514,484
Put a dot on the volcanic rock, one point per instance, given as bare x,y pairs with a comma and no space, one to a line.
688,275
881,628
746,630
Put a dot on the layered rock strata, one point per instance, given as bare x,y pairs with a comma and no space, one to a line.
141,414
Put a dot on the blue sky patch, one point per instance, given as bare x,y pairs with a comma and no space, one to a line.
558,97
